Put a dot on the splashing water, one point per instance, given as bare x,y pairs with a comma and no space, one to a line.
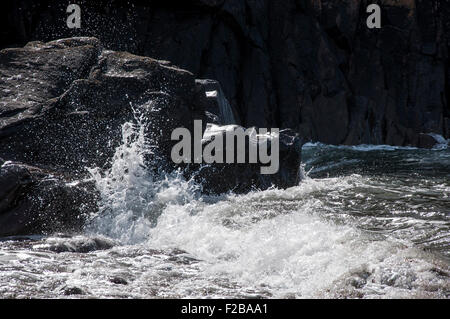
132,196
352,228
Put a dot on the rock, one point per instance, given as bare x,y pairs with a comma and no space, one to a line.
36,201
76,244
118,281
63,106
309,65
241,178
426,141
212,118
217,103
80,96
70,291
65,103
12,180
447,127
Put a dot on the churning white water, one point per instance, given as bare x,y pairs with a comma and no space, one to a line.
346,234
285,242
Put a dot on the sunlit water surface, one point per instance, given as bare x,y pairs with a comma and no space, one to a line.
365,222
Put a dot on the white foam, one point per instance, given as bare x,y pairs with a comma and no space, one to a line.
276,240
442,143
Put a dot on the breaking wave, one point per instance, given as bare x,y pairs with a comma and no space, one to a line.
356,235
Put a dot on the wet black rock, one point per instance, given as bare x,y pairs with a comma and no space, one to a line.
118,280
241,178
76,244
217,104
37,201
70,291
426,141
70,92
64,104
217,178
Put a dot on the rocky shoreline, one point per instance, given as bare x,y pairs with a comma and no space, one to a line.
311,68
63,106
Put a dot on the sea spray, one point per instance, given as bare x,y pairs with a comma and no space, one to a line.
307,241
132,194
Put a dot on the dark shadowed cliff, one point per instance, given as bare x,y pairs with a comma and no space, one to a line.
310,65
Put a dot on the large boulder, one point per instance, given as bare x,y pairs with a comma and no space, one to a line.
63,107
63,102
237,177
37,201
283,166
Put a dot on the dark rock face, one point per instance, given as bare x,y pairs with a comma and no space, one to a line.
35,201
217,103
309,65
426,141
241,178
70,93
63,105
